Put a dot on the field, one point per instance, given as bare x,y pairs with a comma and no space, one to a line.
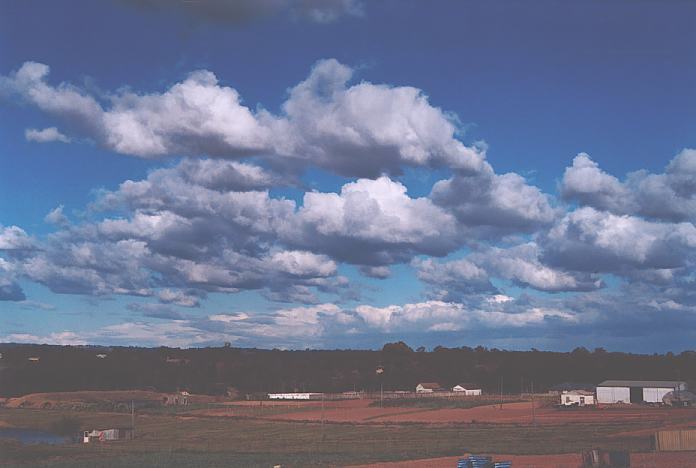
350,432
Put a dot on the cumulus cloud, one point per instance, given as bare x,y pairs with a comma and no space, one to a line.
372,222
57,217
454,280
522,265
46,135
668,196
360,130
599,241
14,238
366,129
451,316
494,204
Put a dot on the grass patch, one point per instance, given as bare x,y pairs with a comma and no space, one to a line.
173,441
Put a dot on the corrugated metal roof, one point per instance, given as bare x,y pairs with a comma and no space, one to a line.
641,383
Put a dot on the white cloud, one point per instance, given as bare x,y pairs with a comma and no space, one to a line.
669,196
46,135
360,130
14,238
591,240
372,222
57,217
492,204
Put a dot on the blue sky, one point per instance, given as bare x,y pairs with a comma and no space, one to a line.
346,173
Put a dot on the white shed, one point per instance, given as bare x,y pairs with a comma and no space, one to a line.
577,398
466,390
428,387
636,391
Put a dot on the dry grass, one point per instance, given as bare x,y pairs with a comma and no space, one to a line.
175,440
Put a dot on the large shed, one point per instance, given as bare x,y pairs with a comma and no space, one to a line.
636,391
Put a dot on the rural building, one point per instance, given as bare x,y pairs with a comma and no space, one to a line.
33,359
294,396
577,398
636,391
428,387
102,435
467,389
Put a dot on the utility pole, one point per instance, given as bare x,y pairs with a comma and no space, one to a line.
533,410
501,392
322,416
133,417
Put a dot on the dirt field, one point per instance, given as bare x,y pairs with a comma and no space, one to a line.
259,433
359,411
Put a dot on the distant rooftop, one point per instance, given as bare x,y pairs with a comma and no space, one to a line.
641,383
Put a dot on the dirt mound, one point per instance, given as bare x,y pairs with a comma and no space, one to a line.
112,399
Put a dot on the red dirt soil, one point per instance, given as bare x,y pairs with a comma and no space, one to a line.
567,460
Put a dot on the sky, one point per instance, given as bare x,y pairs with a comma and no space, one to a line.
345,173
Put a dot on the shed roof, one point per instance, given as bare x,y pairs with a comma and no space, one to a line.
431,385
642,383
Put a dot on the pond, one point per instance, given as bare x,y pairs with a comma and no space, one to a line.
32,436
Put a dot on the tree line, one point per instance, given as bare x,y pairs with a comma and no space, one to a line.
215,370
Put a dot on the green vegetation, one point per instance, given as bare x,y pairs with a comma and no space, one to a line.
187,440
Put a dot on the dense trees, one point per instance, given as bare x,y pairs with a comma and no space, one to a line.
212,370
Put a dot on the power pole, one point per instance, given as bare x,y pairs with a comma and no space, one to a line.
533,410
133,417
501,392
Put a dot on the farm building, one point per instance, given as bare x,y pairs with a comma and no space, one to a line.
636,391
102,435
467,389
428,387
294,396
577,398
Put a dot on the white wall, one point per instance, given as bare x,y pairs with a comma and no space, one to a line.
613,394
654,395
571,398
292,396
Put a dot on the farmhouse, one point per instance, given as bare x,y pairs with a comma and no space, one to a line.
577,398
428,387
467,389
636,391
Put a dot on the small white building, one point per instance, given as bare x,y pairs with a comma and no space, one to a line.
577,398
636,391
428,387
294,396
466,390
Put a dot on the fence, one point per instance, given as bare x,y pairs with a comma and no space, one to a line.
678,440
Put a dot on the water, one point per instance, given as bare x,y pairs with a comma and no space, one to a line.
32,436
